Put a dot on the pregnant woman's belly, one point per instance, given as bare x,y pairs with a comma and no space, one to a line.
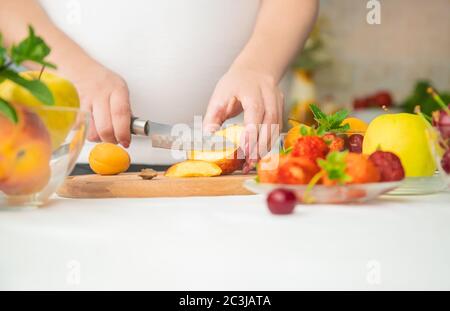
171,52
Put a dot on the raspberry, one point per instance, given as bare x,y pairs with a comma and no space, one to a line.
312,147
389,165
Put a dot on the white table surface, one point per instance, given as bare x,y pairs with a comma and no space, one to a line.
226,243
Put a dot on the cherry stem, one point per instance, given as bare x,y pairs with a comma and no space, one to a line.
421,114
307,198
438,99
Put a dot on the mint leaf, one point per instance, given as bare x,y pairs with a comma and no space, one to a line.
8,111
2,52
32,48
334,166
303,130
286,151
337,118
318,114
36,87
329,123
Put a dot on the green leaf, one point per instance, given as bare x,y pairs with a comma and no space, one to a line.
329,123
8,110
337,118
334,166
286,151
2,52
36,87
32,48
303,130
318,114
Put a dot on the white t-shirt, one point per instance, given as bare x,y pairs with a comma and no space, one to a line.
170,52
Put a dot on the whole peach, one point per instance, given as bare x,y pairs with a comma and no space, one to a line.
27,155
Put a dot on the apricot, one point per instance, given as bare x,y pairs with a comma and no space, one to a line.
356,125
25,155
293,135
108,159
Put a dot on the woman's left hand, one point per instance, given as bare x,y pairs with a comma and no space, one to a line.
258,96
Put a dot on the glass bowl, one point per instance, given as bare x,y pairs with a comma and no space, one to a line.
37,155
439,141
320,194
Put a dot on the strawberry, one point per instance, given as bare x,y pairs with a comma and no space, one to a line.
334,142
312,147
297,170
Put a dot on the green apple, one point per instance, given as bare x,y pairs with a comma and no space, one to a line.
405,135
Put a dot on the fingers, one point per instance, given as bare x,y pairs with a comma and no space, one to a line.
270,122
121,116
216,114
92,134
253,117
103,123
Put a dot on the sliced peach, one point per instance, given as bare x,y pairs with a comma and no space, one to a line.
228,160
194,168
232,133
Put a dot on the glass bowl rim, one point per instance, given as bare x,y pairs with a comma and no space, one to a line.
58,108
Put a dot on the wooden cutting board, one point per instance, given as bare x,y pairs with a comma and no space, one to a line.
130,185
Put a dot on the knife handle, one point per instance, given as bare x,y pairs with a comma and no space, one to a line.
139,127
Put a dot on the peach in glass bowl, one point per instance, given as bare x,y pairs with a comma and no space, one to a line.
37,152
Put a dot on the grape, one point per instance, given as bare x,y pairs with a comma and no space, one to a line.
445,161
281,201
355,143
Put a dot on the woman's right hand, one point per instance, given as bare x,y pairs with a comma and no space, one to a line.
105,94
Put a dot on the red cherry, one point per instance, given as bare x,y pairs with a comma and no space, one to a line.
383,98
281,201
360,103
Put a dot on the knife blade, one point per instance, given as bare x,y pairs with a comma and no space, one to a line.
162,136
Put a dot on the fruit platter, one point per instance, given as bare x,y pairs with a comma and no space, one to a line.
343,160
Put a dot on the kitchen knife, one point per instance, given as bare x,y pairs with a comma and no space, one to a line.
161,137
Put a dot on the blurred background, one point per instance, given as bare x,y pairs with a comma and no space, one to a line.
349,62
